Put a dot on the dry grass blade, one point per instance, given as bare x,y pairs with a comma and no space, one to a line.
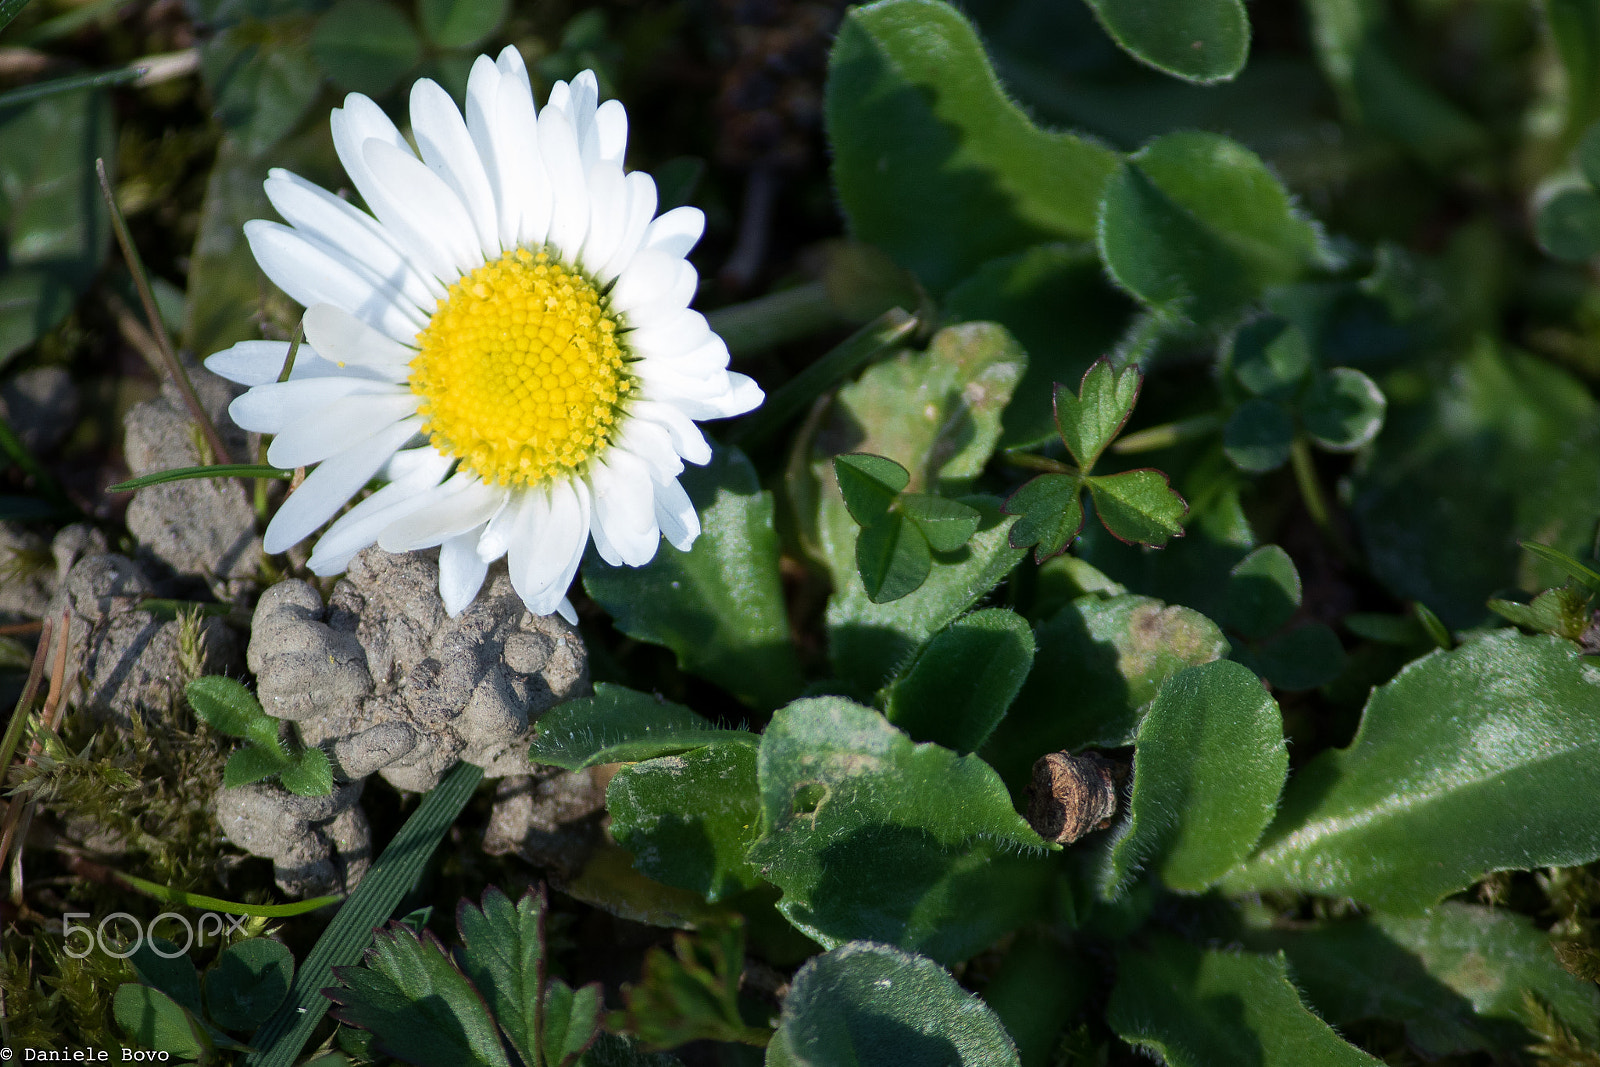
20,812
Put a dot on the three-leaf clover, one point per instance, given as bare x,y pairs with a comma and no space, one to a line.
232,709
1137,506
900,531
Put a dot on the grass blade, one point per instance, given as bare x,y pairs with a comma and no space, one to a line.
216,470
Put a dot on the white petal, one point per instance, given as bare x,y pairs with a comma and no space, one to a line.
421,202
322,432
311,273
266,408
518,174
552,530
501,530
462,503
687,440
569,220
745,395
560,98
709,360
672,336
334,481
641,206
509,62
651,443
608,214
650,279
346,341
252,362
460,572
624,506
718,397
676,232
567,611
448,150
360,526
611,131
675,514
318,213
359,121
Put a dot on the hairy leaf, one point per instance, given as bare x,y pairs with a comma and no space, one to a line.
1202,41
619,724
1089,421
1049,510
963,680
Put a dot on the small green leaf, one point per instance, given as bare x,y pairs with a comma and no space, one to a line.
1049,510
1343,410
947,524
870,1004
1581,571
1568,225
156,1022
248,982
310,775
1208,765
1270,357
365,46
963,680
1258,436
1564,612
1432,625
230,708
1138,506
503,954
869,484
1301,659
693,994
1263,592
617,725
1089,421
460,23
571,1021
688,819
252,763
893,558
1198,1007
1203,41
1422,804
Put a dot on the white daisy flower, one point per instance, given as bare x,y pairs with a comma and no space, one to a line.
506,340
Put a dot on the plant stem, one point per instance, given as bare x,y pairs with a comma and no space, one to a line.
1029,461
1305,475
767,321
1168,434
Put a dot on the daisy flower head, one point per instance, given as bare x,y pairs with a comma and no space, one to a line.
505,339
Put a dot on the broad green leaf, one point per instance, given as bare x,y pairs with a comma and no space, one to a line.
1039,984
248,982
870,835
230,708
309,774
963,680
571,1021
1100,660
420,1008
252,763
1568,225
503,955
719,606
867,639
1301,659
156,1022
1198,1007
871,1004
1474,760
893,559
1195,224
158,963
1270,357
53,224
1343,409
1049,510
947,524
1031,294
460,23
1138,506
688,819
365,46
618,724
932,162
1263,592
1208,765
1089,421
1258,436
1456,976
868,484
1202,41
263,79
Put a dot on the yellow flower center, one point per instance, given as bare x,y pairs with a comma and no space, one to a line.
520,373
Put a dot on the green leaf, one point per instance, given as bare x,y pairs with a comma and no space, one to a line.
947,524
571,1021
869,484
460,23
503,954
1568,225
1587,155
1089,421
53,224
215,470
1138,506
1195,224
365,46
1581,571
1564,612
156,1022
420,1008
618,725
1422,803
893,559
719,606
963,680
1049,510
871,835
869,1004
1269,357
247,983
229,707
252,763
1263,592
167,970
688,819
609,1050
309,775
1208,765
1100,660
1575,26
263,79
693,994
1430,973
921,131
1202,41
1343,410
1258,436
1197,1007
1301,659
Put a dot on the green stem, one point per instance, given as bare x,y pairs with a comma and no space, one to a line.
219,470
226,907
1029,461
1305,475
1168,434
769,321
19,716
